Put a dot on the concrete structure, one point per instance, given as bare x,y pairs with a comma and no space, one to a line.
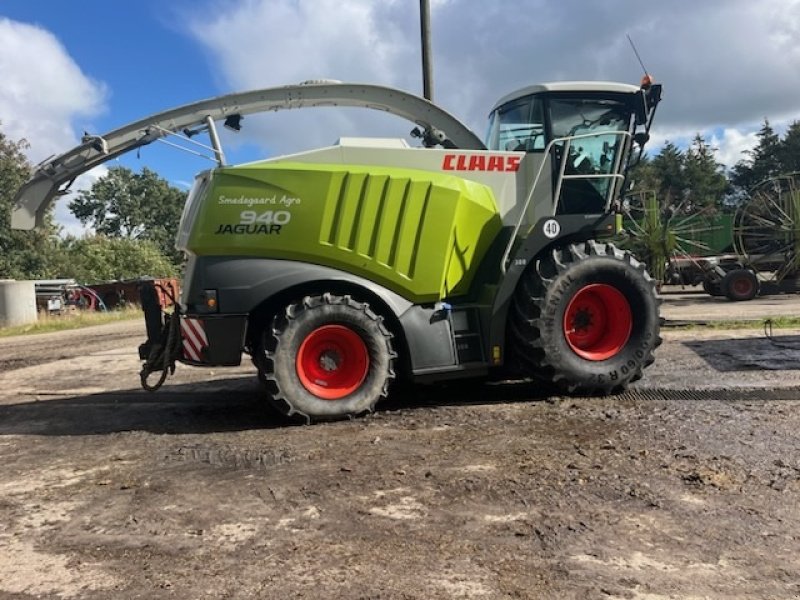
17,302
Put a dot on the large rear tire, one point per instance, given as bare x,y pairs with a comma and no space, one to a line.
327,357
585,319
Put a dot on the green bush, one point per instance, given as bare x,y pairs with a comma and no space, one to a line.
98,258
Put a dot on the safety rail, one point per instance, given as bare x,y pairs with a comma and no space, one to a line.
567,141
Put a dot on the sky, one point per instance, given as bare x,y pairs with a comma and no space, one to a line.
91,66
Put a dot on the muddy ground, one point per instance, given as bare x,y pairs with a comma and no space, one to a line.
686,487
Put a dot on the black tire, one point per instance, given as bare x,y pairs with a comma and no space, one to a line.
740,285
327,357
561,330
712,288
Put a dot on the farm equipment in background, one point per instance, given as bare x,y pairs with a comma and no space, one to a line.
765,232
679,247
341,269
116,294
753,251
56,296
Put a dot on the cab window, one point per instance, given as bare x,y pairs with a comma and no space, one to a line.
517,126
581,117
594,151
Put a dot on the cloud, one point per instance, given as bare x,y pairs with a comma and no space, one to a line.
731,145
256,44
42,92
725,64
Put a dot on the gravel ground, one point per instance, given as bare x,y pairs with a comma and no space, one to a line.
686,487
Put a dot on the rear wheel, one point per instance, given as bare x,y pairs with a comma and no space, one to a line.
740,285
327,357
585,318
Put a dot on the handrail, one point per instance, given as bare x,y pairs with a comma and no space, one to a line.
567,141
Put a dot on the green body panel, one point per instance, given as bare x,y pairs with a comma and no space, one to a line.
421,234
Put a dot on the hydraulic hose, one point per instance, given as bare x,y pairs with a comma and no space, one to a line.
162,355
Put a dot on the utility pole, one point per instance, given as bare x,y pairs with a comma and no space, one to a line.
427,65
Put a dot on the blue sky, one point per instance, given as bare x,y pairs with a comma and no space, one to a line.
140,58
92,65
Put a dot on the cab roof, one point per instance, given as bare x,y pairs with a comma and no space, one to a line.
569,86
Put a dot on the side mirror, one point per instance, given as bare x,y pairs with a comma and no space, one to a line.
646,100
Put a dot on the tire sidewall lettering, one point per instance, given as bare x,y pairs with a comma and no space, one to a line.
594,264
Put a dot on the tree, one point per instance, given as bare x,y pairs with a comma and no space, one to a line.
762,162
706,184
23,254
140,206
668,172
98,258
689,181
789,150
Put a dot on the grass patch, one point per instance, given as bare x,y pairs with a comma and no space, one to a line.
777,323
48,323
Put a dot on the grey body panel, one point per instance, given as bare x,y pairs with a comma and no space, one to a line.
244,283
226,337
53,176
429,338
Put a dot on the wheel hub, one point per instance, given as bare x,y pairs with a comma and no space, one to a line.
742,286
583,319
597,322
332,362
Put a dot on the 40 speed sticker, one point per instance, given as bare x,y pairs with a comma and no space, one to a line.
551,228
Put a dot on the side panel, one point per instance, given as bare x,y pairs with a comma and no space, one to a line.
420,234
242,284
213,340
430,339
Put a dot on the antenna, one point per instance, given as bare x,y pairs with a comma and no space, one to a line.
636,52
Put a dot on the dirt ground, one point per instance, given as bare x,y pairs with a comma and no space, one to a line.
685,487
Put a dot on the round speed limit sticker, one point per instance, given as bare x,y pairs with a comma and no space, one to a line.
551,228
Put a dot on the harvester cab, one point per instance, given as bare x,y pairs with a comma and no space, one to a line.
341,269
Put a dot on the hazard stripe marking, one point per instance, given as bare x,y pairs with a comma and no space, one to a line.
194,339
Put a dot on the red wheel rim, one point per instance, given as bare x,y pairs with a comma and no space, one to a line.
742,286
598,322
332,362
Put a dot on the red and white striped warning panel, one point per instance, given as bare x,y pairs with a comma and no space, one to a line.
194,339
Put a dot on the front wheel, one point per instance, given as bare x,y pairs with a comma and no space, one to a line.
327,357
585,318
